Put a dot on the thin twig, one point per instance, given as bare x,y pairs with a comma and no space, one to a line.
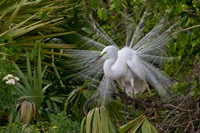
189,28
170,105
190,12
174,110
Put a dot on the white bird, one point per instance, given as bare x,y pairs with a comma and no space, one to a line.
133,65
119,66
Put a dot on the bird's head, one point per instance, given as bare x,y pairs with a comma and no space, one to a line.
109,52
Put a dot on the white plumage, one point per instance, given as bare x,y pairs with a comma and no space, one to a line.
132,66
118,65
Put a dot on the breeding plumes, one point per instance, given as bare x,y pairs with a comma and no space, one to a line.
132,66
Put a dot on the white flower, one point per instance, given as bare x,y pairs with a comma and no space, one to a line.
10,79
10,82
10,76
16,78
5,78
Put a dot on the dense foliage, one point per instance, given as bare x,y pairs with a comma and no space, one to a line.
36,37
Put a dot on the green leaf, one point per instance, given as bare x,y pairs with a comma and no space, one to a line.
29,70
82,125
133,125
100,13
98,121
115,5
179,8
14,13
44,88
89,123
184,38
23,77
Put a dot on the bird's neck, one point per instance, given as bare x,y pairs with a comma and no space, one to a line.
108,71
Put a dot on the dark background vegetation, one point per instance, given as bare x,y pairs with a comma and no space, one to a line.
34,35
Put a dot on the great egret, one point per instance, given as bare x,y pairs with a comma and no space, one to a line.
120,66
133,65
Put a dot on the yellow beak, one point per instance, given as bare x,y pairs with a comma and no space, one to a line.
98,58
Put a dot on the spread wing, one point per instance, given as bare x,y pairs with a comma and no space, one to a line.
148,53
150,73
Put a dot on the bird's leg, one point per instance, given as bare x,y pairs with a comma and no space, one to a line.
125,102
134,102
